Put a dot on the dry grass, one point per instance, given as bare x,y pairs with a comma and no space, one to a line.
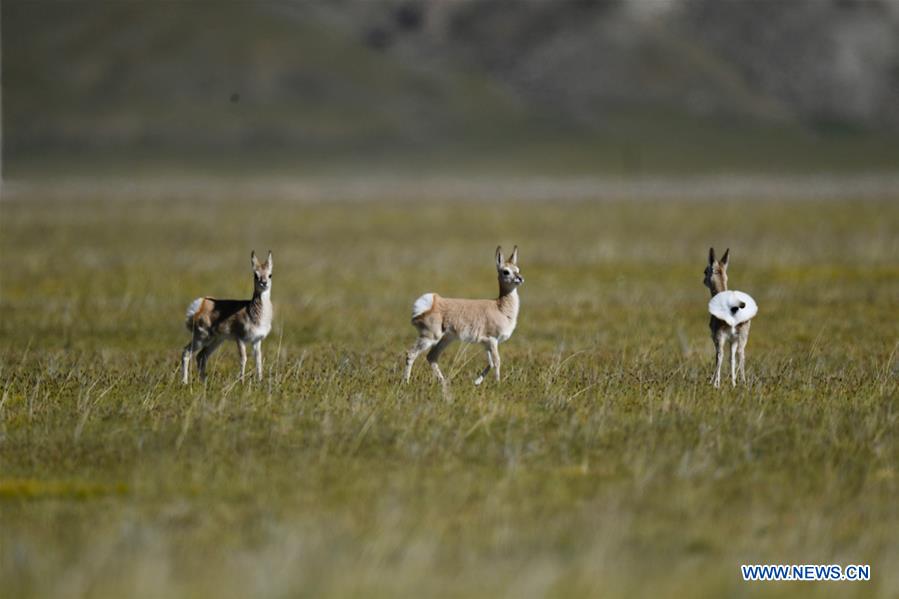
604,464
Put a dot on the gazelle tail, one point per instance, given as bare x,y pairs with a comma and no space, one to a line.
733,307
422,305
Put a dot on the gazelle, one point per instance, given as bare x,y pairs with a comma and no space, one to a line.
732,313
212,321
441,320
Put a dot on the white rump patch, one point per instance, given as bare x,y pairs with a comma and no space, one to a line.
422,304
194,307
726,306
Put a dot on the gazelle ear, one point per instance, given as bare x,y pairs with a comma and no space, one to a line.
268,261
724,257
711,255
254,262
499,257
514,258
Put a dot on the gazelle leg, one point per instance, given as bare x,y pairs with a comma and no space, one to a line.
742,353
194,345
434,355
486,370
185,362
203,357
719,358
242,350
421,344
257,354
733,364
494,351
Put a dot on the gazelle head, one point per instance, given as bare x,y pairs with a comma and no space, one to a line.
716,272
507,270
262,273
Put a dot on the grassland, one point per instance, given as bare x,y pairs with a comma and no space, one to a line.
603,465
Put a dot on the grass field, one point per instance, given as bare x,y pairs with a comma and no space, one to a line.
602,465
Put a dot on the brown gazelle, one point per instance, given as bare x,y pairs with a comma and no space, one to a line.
441,320
212,321
732,313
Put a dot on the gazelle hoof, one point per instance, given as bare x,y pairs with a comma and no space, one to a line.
478,380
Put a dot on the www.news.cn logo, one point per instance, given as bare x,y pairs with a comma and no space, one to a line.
806,572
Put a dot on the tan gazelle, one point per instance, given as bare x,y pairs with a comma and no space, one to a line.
732,313
442,320
212,321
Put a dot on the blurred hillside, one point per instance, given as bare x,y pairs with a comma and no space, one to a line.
608,85
814,62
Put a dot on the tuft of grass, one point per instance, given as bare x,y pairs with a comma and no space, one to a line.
30,489
603,464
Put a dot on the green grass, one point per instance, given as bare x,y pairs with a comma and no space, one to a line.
602,465
504,142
